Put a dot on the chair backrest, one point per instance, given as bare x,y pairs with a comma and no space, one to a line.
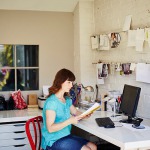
33,131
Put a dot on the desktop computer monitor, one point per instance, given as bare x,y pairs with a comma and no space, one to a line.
129,102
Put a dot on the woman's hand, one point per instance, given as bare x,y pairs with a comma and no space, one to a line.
74,119
87,116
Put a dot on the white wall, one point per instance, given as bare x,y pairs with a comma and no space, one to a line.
109,17
84,28
52,31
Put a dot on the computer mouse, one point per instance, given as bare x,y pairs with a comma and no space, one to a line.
109,126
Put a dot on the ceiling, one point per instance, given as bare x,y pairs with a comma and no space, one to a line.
39,5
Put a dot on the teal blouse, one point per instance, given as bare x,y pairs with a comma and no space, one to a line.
62,113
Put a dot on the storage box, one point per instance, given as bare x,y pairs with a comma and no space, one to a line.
32,99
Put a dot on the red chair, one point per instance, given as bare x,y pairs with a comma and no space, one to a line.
33,131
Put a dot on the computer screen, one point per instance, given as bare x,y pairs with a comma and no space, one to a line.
129,102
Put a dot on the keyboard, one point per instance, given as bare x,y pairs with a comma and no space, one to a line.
104,121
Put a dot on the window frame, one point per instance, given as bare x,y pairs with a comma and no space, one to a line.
15,67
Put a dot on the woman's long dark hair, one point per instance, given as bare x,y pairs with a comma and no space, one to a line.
61,76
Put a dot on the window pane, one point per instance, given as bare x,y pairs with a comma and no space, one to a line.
20,84
13,78
7,79
29,79
7,55
27,55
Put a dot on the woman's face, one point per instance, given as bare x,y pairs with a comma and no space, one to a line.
66,86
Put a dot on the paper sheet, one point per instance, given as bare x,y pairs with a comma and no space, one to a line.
131,38
104,42
99,79
94,42
132,66
139,46
101,40
127,23
143,72
147,35
140,36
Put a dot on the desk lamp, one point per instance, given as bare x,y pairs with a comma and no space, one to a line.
88,88
89,93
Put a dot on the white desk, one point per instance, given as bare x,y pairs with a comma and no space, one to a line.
19,115
119,136
12,128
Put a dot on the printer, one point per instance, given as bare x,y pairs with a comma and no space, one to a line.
42,99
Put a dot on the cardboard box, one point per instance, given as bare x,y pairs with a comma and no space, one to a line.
32,99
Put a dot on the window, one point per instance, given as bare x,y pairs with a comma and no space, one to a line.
19,67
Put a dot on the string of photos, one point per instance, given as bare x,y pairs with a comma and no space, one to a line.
136,38
142,70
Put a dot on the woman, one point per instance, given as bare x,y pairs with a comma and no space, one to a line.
59,114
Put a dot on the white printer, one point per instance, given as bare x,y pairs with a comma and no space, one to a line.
42,99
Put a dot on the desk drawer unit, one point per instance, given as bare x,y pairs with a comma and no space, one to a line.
20,147
13,136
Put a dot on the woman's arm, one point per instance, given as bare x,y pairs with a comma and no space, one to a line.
52,126
74,111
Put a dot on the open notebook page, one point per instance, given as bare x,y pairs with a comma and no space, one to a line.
95,107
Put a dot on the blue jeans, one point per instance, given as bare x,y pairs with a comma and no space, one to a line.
69,142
